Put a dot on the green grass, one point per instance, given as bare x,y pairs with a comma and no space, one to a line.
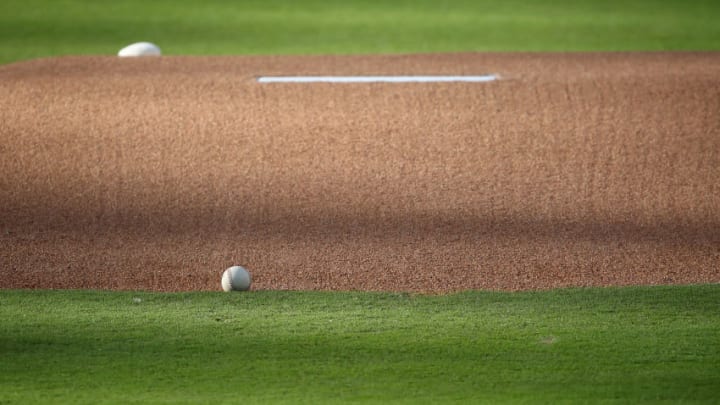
630,345
36,28
621,345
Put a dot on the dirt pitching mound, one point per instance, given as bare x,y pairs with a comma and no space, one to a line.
158,173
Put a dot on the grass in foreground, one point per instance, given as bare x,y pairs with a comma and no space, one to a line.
35,28
629,345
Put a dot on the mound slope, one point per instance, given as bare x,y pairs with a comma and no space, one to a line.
157,174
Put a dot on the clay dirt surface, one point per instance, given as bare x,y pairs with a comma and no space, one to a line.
584,169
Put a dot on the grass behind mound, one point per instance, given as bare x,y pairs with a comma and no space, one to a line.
627,345
35,28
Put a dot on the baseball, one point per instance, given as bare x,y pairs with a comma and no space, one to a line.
236,278
140,49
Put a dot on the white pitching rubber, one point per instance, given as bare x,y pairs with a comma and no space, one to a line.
375,79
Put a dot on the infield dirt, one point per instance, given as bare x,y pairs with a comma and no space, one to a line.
158,173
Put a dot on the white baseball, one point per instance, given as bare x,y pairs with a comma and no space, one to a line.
140,49
236,278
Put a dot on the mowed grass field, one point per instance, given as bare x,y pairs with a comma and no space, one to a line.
629,345
38,28
616,345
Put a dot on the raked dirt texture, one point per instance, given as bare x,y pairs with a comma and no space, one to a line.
586,169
